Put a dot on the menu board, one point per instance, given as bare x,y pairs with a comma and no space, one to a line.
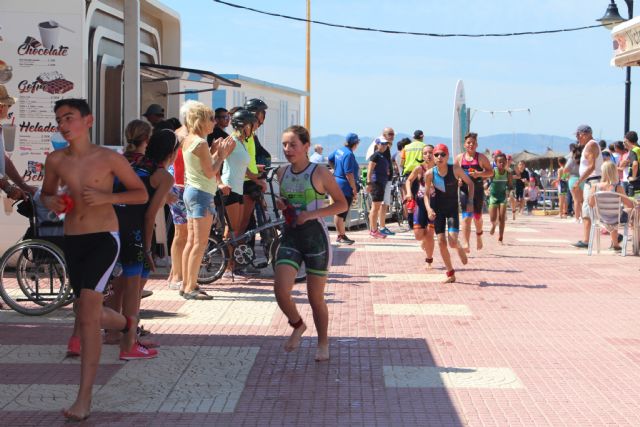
41,61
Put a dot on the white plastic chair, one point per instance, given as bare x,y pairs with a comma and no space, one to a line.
607,212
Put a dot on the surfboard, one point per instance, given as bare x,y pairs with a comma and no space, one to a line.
460,121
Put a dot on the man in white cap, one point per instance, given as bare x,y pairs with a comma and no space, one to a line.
7,169
590,163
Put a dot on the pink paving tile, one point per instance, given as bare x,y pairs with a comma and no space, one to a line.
565,324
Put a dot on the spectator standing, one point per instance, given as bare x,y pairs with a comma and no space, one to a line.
388,135
396,158
590,163
377,179
202,164
8,170
622,166
633,174
154,114
221,118
234,170
316,156
346,172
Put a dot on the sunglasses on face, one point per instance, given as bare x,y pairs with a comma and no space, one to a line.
439,155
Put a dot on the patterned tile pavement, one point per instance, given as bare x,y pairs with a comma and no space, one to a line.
534,332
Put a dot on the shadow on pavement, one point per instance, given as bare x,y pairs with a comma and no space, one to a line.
485,284
368,381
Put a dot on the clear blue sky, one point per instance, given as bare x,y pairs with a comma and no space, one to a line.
364,81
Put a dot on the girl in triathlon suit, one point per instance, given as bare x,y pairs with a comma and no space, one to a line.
443,208
423,229
477,167
499,188
521,178
303,189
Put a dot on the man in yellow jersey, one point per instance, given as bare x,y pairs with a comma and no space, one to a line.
253,182
411,157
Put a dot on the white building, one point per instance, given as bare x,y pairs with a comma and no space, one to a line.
284,107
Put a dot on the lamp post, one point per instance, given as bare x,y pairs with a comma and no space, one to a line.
307,113
609,20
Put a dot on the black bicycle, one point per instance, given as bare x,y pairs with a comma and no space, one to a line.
221,250
397,202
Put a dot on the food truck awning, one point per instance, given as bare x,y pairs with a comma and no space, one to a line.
160,72
626,43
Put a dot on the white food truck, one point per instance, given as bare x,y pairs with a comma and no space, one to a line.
120,55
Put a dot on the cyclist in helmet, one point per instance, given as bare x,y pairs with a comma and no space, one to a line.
252,183
234,170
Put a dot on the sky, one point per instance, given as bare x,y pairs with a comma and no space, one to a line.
363,81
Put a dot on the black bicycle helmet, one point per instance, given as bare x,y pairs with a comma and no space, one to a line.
243,117
255,105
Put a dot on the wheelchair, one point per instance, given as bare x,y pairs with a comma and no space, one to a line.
33,273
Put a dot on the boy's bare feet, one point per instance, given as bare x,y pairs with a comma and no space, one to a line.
79,411
322,353
451,276
493,228
479,240
463,255
428,262
293,342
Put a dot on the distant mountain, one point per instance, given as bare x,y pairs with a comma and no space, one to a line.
508,143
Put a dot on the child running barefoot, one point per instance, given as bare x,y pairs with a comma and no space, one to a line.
303,188
423,229
443,207
531,194
500,186
91,242
563,186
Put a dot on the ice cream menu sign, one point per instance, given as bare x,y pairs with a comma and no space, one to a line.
41,61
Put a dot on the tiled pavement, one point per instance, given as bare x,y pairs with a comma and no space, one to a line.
533,333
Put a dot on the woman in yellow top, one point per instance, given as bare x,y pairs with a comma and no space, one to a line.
201,166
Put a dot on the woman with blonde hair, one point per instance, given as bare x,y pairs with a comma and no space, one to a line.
202,164
610,182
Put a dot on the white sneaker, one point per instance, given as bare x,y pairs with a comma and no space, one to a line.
175,286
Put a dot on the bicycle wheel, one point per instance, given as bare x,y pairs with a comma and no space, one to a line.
397,210
214,261
38,285
365,207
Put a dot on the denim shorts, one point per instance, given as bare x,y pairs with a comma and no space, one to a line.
198,203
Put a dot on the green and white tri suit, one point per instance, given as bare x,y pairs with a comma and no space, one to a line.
308,242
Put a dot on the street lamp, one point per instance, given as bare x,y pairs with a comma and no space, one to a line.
609,20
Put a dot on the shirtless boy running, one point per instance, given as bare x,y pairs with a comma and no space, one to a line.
91,242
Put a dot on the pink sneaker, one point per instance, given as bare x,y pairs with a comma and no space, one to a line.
377,235
73,347
138,352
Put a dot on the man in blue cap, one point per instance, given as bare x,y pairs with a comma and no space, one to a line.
345,170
